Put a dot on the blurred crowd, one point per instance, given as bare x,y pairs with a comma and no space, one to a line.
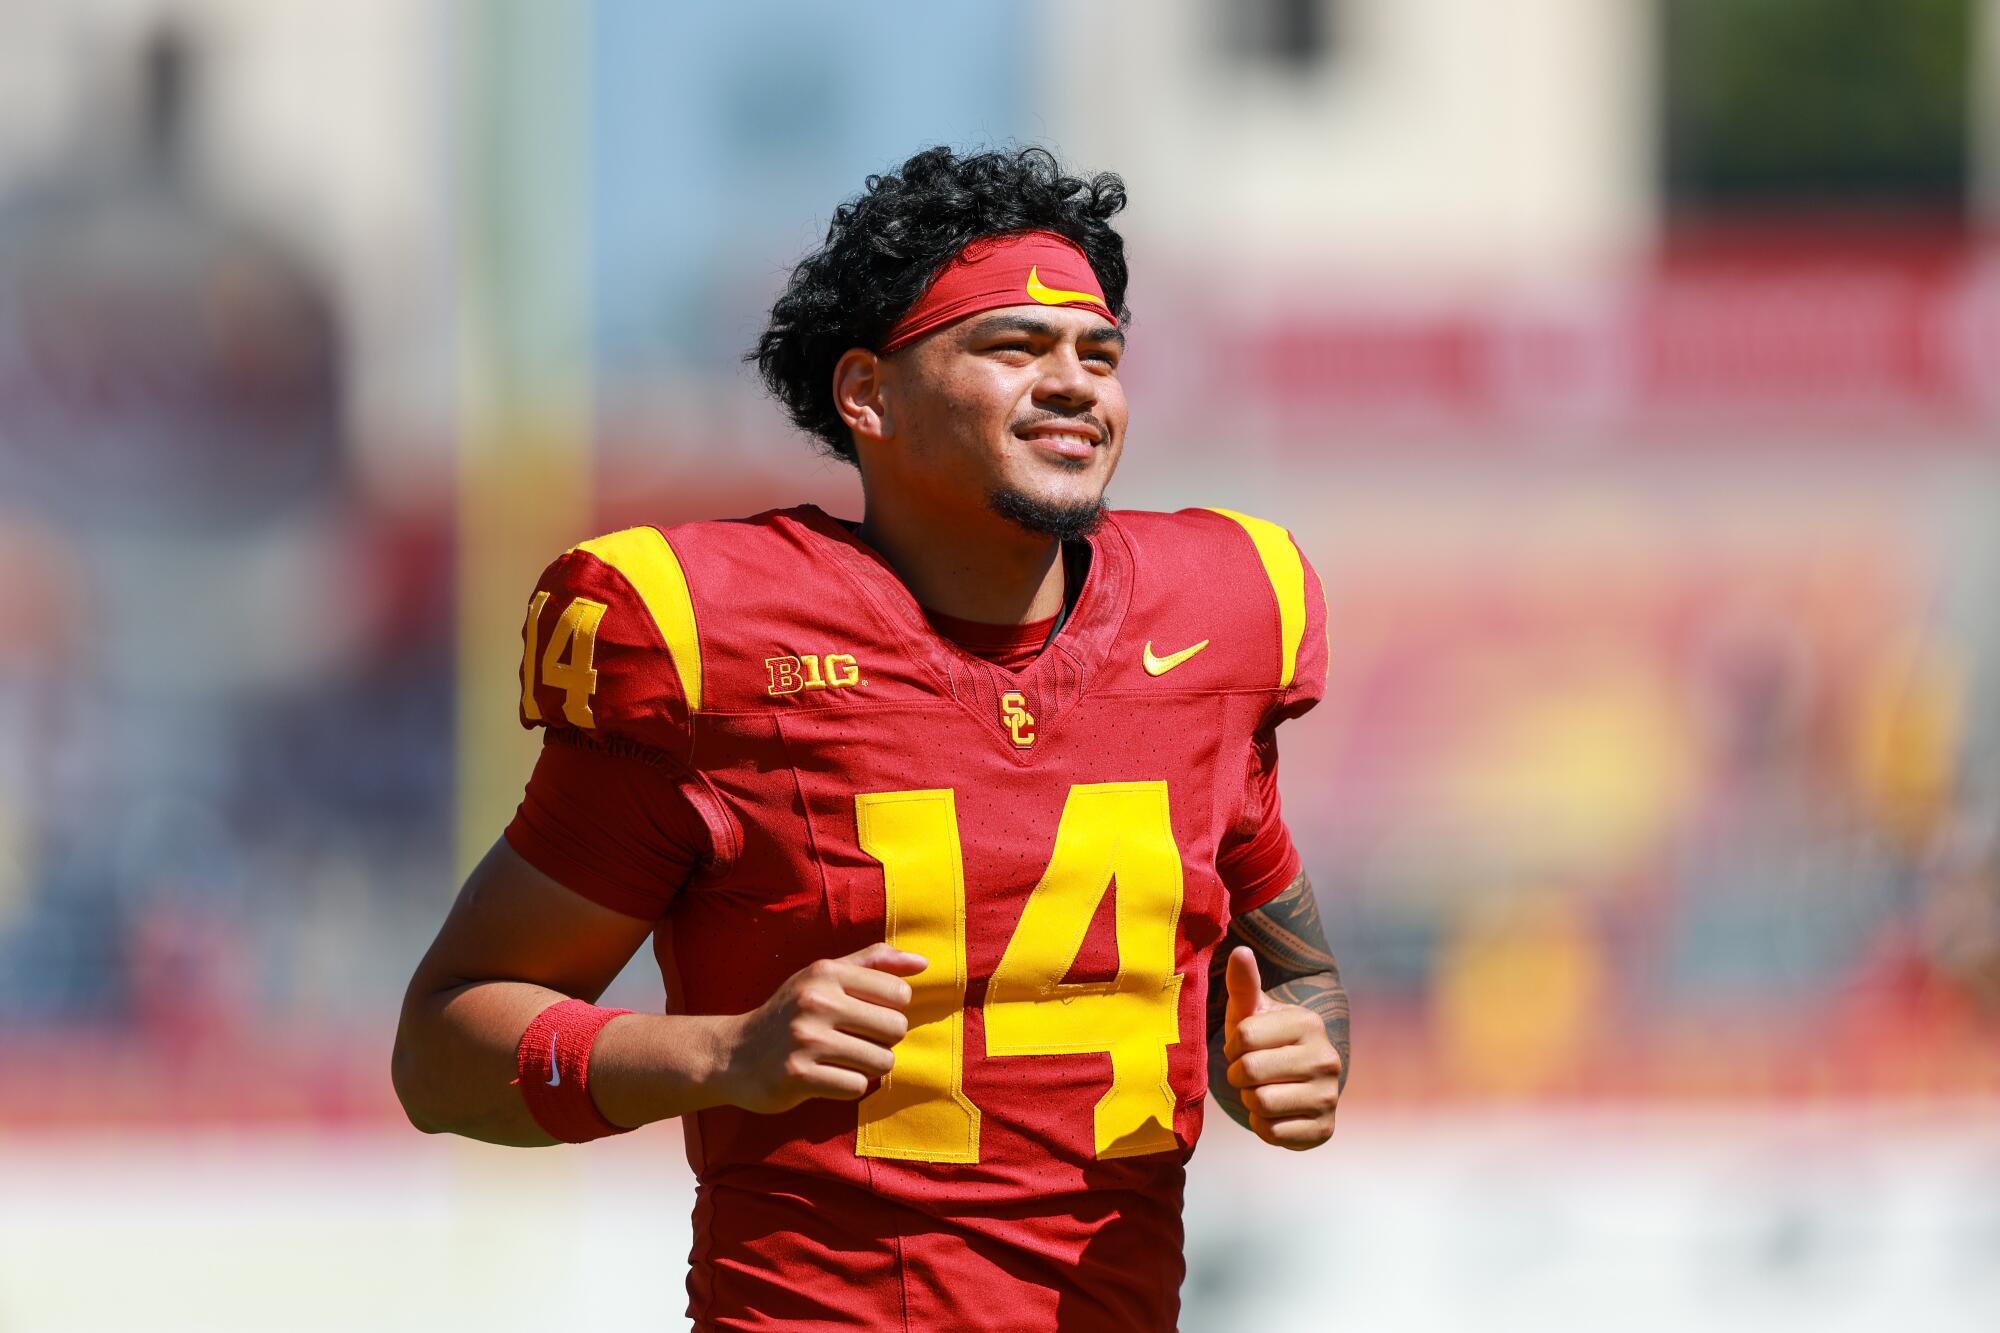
1674,781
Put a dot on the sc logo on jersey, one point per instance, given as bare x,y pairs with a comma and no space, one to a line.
1014,716
811,671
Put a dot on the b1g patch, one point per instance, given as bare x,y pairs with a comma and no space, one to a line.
1014,716
812,671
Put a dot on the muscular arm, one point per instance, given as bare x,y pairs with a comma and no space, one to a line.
1291,951
515,943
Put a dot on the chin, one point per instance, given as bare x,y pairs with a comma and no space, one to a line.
1066,517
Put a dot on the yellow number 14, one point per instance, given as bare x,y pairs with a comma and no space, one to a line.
575,634
1107,830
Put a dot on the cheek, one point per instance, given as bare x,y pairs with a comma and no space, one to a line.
932,415
959,428
1111,408
1112,402
970,396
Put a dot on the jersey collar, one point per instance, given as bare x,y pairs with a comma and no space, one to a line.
1057,677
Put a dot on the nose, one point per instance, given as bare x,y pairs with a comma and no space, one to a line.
1064,381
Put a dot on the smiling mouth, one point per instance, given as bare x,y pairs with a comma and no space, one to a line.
1072,449
1074,430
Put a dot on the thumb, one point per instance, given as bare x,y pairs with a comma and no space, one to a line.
1246,989
886,957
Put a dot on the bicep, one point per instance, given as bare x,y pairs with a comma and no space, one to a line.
1256,859
512,922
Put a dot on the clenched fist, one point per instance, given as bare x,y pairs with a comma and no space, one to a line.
829,1031
1280,1060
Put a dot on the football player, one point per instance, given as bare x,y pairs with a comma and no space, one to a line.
955,830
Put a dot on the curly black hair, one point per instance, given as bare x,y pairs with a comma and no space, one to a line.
884,246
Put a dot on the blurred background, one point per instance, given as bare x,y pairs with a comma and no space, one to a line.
1630,370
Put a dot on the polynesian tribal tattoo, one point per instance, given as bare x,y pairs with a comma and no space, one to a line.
1296,967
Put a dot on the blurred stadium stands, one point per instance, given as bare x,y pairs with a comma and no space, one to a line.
1630,370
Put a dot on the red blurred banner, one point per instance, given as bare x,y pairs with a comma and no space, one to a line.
1789,331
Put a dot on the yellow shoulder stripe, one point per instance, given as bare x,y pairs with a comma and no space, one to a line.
649,564
1288,584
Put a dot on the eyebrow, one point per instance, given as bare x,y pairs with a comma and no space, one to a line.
1041,328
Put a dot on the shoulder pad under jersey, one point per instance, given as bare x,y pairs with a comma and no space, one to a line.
610,644
1242,584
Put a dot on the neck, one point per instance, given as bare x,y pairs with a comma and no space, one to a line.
988,570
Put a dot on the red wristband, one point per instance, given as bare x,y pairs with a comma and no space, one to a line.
554,1063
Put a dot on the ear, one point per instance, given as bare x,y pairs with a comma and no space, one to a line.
861,394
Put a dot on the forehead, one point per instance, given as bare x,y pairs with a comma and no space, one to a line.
1044,321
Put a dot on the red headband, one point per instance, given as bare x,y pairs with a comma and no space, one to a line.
1019,268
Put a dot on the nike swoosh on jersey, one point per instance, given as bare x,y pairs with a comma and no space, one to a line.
1160,666
1056,295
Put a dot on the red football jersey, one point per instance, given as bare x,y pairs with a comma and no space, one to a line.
1048,837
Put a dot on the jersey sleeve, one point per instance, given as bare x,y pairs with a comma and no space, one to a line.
618,828
611,668
1308,684
1257,860
1293,666
609,646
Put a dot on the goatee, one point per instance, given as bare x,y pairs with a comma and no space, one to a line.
1065,521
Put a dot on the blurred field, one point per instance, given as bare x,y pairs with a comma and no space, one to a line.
1842,1219
1629,370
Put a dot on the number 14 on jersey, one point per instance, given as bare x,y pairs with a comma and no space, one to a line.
1108,829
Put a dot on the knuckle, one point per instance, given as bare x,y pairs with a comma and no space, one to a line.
1265,1031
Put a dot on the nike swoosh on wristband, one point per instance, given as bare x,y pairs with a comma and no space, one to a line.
1160,666
555,1070
1056,295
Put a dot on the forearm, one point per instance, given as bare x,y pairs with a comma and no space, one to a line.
1322,993
1295,960
455,1063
